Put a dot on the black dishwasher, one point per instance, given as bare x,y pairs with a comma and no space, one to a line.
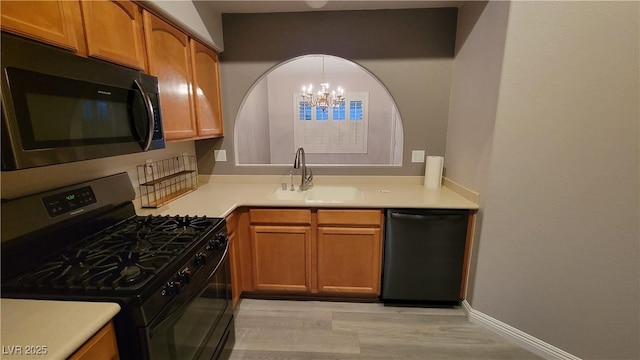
423,255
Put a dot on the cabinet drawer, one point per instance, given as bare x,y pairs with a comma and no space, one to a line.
280,216
350,217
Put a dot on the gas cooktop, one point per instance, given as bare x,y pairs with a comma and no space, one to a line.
122,257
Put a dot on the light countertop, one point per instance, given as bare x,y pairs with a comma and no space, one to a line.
63,326
218,196
60,326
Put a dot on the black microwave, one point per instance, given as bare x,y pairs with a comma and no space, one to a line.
58,107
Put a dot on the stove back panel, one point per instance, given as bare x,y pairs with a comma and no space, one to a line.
69,204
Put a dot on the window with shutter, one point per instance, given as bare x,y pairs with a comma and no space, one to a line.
342,129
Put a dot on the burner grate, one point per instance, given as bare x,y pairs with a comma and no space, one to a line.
124,256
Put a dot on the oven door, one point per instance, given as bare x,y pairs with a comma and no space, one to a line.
199,324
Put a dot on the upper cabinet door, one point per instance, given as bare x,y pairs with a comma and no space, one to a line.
206,84
113,31
170,61
52,22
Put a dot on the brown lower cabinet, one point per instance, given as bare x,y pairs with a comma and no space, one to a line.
349,260
234,257
309,252
281,258
102,346
349,251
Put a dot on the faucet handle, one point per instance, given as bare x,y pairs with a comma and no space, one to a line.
309,178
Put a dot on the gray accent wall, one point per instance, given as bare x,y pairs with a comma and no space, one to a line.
557,245
409,51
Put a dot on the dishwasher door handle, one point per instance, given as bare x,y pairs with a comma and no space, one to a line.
397,215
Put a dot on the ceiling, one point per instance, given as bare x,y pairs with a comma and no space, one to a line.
241,6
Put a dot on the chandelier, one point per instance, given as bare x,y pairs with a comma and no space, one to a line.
323,99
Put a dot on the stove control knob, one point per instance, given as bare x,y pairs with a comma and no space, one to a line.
222,238
200,258
171,288
213,244
184,276
218,242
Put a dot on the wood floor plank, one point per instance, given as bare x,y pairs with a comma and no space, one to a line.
297,355
277,329
279,339
333,306
282,319
422,329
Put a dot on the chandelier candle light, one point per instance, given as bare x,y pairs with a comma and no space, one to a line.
323,99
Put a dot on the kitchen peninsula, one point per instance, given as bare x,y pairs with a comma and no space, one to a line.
44,329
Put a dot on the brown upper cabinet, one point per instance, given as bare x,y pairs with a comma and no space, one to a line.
113,30
122,32
53,22
170,61
206,82
104,29
183,66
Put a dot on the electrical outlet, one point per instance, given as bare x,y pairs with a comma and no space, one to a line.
417,156
220,155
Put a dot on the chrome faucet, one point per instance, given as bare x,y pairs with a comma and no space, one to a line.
306,179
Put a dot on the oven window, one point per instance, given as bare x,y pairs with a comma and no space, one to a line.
185,333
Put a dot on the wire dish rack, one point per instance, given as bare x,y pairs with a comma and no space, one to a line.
165,180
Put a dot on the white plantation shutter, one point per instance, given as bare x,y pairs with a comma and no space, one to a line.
339,130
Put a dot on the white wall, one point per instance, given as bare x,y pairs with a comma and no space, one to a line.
558,245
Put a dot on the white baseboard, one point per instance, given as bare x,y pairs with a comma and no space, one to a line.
523,339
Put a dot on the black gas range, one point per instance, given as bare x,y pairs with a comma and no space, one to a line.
170,274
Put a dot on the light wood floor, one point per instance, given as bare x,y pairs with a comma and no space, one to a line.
319,330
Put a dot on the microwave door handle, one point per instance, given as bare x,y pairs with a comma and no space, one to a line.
150,114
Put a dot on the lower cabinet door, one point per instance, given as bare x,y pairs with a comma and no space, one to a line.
102,346
281,258
349,260
236,274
